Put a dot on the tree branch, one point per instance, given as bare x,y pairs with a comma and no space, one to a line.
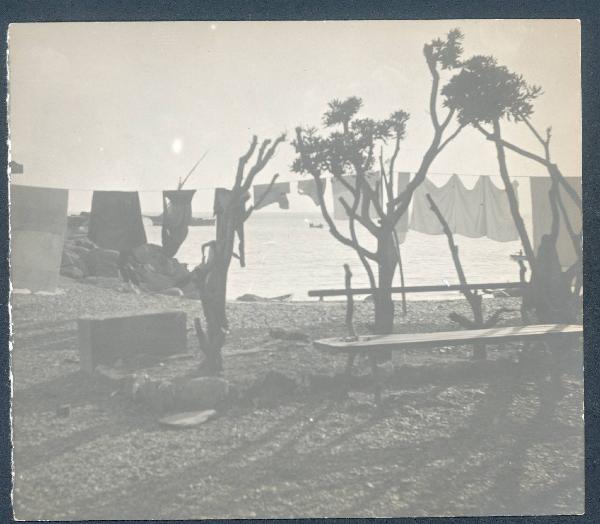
448,118
552,168
351,189
388,187
364,188
450,137
359,250
473,298
393,165
262,198
366,222
433,94
337,235
244,160
264,156
315,173
512,147
544,143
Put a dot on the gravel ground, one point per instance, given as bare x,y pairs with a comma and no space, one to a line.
453,437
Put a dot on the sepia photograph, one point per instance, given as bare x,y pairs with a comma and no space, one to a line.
296,269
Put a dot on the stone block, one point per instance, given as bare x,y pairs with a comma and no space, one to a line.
105,340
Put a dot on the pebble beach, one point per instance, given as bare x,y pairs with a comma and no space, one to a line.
464,418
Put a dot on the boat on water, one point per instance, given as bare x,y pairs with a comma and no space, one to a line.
315,225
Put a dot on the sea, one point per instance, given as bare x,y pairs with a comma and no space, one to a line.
285,256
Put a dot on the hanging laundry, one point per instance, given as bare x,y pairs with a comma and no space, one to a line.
542,216
402,224
423,219
38,220
481,211
309,188
222,204
177,213
116,220
469,209
499,223
341,191
265,195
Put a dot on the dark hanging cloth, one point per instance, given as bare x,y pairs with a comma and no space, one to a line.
265,194
542,216
222,204
177,213
309,189
551,290
116,220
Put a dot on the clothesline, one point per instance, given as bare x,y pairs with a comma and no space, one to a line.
212,188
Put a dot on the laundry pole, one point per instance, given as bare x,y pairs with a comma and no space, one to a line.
401,269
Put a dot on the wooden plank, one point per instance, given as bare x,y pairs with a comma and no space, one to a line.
415,289
448,338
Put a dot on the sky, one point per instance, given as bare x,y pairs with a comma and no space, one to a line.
132,106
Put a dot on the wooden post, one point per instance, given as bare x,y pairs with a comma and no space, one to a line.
404,308
349,301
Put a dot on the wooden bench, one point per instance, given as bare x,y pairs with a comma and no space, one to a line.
371,345
322,293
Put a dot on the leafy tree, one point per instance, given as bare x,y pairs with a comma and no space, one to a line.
347,147
484,93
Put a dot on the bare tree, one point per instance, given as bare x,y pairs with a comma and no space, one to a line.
349,149
484,93
211,275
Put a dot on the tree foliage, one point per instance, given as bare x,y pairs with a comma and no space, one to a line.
349,145
445,53
484,91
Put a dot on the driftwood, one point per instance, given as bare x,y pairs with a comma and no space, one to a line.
473,297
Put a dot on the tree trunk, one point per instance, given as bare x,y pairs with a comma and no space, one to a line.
512,197
548,292
213,292
384,305
213,305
